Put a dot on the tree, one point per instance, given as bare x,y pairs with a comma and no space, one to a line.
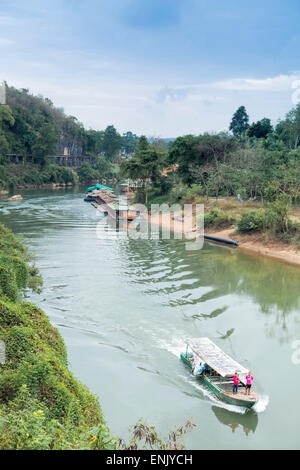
260,129
6,115
143,144
240,122
31,113
86,173
145,166
191,152
94,142
183,151
6,121
289,129
129,142
103,166
45,142
112,142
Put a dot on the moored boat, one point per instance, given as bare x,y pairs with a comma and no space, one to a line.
216,369
109,203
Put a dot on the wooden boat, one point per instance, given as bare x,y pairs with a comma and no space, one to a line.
109,203
119,211
218,370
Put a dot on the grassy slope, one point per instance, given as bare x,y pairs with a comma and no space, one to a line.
42,405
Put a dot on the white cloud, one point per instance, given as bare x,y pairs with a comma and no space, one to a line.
190,93
6,43
98,94
279,83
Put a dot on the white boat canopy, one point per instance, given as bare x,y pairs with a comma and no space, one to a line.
215,358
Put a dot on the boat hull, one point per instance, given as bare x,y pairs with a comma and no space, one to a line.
221,395
114,213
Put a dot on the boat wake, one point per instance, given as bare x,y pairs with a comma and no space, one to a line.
176,348
262,404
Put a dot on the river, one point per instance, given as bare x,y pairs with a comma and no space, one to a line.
124,308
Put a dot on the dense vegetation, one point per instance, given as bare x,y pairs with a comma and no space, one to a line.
33,128
42,406
259,162
31,175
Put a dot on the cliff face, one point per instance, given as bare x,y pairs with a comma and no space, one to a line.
32,126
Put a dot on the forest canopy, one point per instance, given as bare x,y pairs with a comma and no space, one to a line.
32,126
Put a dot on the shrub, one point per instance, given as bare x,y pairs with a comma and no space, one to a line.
10,314
252,221
36,357
218,219
271,191
277,215
229,205
19,267
9,242
8,283
87,173
19,341
67,175
178,194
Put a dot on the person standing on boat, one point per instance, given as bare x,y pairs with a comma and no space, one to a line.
249,380
236,381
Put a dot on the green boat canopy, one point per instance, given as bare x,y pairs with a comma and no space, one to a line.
98,186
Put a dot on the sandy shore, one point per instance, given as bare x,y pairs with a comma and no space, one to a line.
253,243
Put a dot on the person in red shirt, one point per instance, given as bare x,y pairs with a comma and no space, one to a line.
236,381
249,380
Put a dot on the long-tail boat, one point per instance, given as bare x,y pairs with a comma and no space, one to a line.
216,369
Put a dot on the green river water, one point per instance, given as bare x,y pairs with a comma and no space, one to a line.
124,308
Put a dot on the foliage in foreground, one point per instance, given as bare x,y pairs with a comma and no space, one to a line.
145,436
42,406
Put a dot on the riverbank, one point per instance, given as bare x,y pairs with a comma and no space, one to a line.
251,243
255,244
42,405
34,176
6,192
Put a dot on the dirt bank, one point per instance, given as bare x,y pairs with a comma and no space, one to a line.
251,243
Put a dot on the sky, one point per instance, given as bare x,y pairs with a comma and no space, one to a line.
162,68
